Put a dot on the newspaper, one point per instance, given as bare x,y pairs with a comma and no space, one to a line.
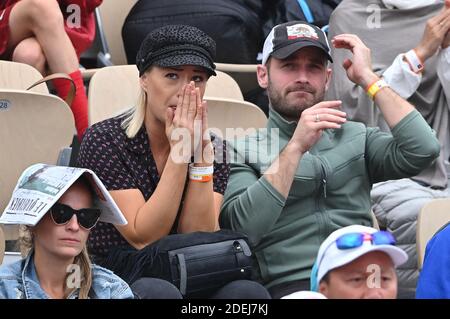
41,185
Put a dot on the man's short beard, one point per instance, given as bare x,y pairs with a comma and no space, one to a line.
289,112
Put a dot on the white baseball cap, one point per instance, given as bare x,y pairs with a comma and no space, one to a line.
305,294
330,256
287,38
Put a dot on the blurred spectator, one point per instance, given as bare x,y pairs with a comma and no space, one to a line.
410,43
316,12
434,279
235,25
50,36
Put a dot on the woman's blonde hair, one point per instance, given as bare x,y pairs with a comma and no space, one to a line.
134,117
26,242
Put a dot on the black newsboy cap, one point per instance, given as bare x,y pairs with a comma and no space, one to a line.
175,45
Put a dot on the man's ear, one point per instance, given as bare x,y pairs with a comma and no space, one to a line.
327,83
262,75
323,287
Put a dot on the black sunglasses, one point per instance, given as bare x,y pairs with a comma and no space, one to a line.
86,217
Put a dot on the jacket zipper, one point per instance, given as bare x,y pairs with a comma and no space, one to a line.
354,158
321,169
324,176
324,179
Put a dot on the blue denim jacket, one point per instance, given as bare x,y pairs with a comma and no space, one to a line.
19,281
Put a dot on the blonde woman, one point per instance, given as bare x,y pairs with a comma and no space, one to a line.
57,265
157,161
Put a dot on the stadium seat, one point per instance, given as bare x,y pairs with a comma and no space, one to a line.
2,245
34,127
228,113
223,86
112,16
243,74
112,90
24,77
116,88
432,217
20,76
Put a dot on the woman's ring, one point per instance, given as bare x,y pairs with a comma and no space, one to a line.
317,118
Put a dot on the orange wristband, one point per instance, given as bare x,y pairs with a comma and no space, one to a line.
201,178
201,174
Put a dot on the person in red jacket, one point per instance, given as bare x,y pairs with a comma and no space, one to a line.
50,36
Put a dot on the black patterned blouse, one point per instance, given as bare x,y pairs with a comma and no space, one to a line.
123,163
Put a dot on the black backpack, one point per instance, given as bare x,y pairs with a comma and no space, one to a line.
235,25
313,11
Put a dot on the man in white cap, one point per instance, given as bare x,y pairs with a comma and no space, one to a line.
310,172
357,262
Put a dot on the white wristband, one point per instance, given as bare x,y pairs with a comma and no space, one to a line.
200,173
414,61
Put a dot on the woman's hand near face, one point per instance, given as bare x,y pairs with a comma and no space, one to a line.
201,205
204,151
187,126
180,125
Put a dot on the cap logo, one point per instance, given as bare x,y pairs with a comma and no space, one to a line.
301,31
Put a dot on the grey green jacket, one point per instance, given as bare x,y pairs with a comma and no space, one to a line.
331,188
